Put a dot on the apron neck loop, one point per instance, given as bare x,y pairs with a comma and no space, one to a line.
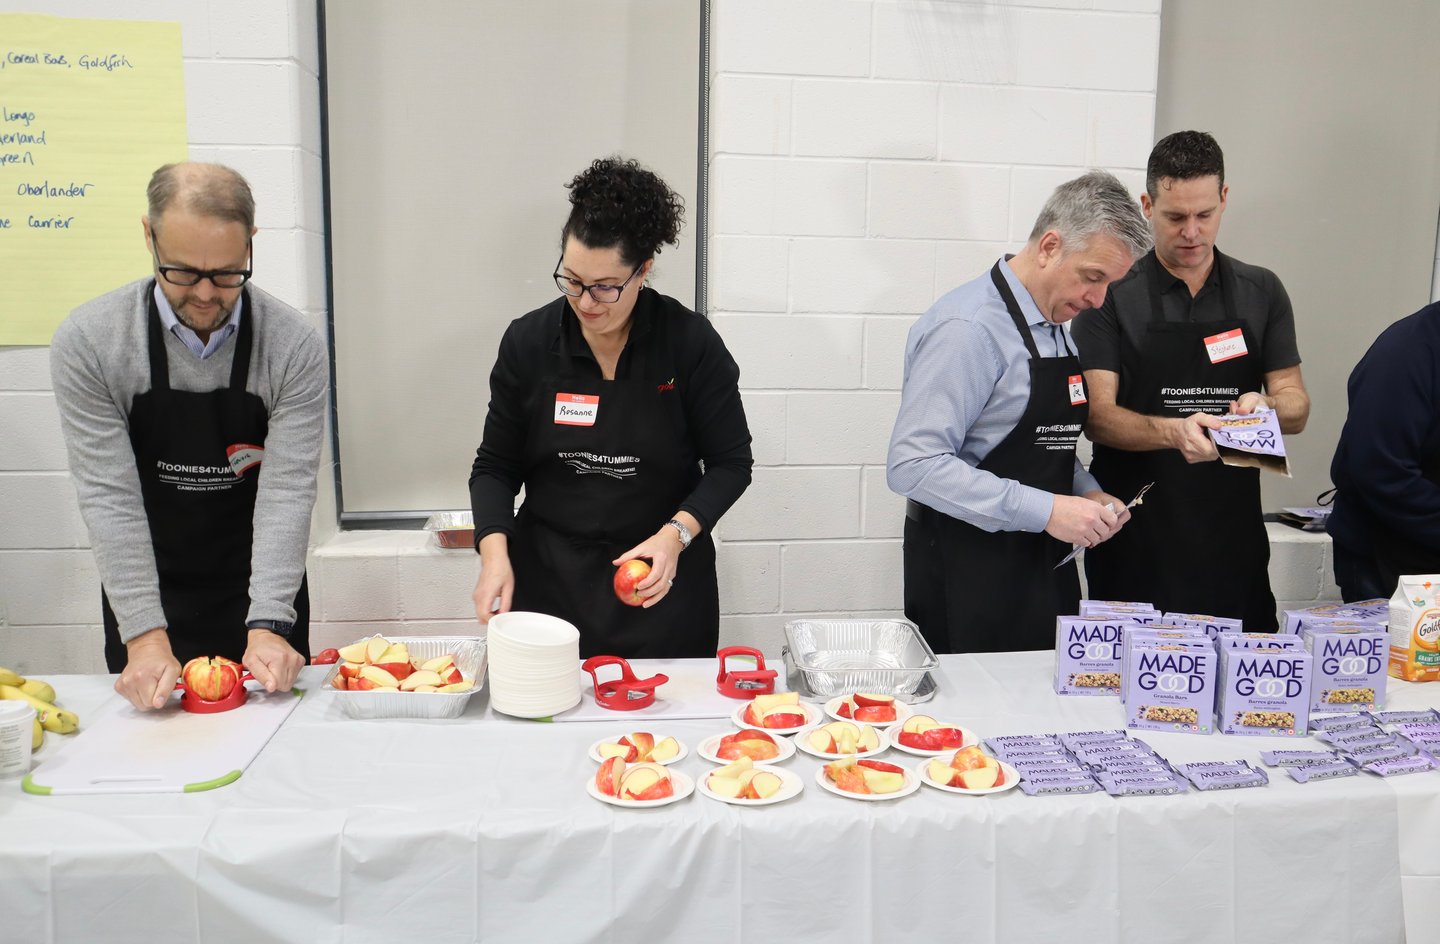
1013,307
155,332
1226,280
244,340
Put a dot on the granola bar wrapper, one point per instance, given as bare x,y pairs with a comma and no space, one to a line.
1330,771
1366,755
1353,740
1125,608
1211,626
1265,692
1087,655
1252,441
1298,758
1074,739
1346,721
1236,776
1420,716
1059,787
1142,784
1003,746
1415,764
1258,641
1350,666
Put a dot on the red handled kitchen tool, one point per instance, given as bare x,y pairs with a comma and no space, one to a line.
627,693
744,683
192,702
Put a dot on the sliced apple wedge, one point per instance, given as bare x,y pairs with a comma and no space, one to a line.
665,749
942,773
378,676
646,782
765,784
864,700
869,739
438,664
607,778
734,770
978,778
625,752
355,652
415,679
464,686
375,647
882,781
728,787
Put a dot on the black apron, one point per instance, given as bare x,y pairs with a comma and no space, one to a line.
970,590
601,478
196,453
1198,544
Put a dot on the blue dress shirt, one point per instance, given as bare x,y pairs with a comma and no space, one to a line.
967,382
201,349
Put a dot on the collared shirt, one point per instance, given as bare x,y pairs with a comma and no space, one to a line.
201,349
1261,302
967,383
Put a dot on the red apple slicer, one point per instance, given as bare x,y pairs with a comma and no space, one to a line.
744,683
627,693
192,702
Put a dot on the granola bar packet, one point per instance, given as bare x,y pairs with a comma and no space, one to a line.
1211,626
1420,716
1298,758
1375,612
1223,775
1141,784
1059,787
1258,641
1414,764
1338,768
1348,721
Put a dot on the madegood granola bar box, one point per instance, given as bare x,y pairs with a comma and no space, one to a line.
1362,611
1258,641
1350,667
1087,655
1171,687
1212,625
1157,633
1091,608
1265,692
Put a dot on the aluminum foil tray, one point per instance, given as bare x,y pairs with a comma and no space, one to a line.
839,657
452,529
470,656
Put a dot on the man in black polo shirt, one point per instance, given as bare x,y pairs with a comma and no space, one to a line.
1189,334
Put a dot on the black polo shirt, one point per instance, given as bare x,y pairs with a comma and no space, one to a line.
1261,303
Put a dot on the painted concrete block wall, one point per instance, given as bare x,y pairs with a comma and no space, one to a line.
868,155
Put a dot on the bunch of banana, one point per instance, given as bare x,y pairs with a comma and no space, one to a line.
41,697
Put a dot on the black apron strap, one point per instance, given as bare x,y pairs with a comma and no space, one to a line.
244,340
155,333
1013,306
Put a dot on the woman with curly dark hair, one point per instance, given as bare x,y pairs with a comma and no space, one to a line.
618,409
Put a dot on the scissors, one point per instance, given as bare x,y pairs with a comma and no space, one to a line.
1139,499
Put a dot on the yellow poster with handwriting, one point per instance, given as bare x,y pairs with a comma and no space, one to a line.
88,110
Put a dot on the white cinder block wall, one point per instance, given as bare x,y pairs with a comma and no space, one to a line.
868,155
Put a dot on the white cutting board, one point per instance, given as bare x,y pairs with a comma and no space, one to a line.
690,693
165,751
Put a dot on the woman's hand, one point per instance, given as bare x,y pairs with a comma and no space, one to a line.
497,579
662,549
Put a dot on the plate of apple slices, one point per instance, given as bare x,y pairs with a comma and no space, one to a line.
639,747
780,713
761,747
842,739
868,709
866,779
743,783
922,735
971,771
638,785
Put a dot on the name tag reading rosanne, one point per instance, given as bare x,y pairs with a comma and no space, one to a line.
1077,389
1226,346
576,409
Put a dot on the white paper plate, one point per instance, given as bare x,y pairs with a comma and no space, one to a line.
597,758
971,739
902,711
812,715
684,786
710,745
1012,779
792,785
803,744
912,783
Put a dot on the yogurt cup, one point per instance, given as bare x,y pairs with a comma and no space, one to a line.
17,733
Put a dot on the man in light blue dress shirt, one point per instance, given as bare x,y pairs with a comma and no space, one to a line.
984,443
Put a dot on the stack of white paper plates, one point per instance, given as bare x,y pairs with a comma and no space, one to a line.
534,664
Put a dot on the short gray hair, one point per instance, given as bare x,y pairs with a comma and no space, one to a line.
207,189
1090,205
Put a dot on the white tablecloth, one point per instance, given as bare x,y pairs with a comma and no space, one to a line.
481,829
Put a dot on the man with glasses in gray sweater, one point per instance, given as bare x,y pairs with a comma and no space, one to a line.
193,407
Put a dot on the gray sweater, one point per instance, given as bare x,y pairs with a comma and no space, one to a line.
98,364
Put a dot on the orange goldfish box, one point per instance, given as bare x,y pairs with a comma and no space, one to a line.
1415,629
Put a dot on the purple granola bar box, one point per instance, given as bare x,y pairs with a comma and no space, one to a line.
1258,641
1212,625
1157,633
1087,655
1362,611
1265,692
1350,666
1170,687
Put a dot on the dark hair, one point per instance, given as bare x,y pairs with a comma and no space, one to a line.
207,189
617,203
1184,155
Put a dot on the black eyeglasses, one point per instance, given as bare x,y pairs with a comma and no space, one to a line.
604,294
220,278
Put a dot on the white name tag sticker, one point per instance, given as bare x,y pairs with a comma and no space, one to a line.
1077,389
576,409
1226,346
244,456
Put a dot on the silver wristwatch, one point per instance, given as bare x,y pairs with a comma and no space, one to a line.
685,536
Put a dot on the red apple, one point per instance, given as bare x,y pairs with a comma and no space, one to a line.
980,778
210,678
969,758
844,710
880,765
340,682
845,775
863,700
326,657
401,670
876,714
784,716
627,575
607,778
